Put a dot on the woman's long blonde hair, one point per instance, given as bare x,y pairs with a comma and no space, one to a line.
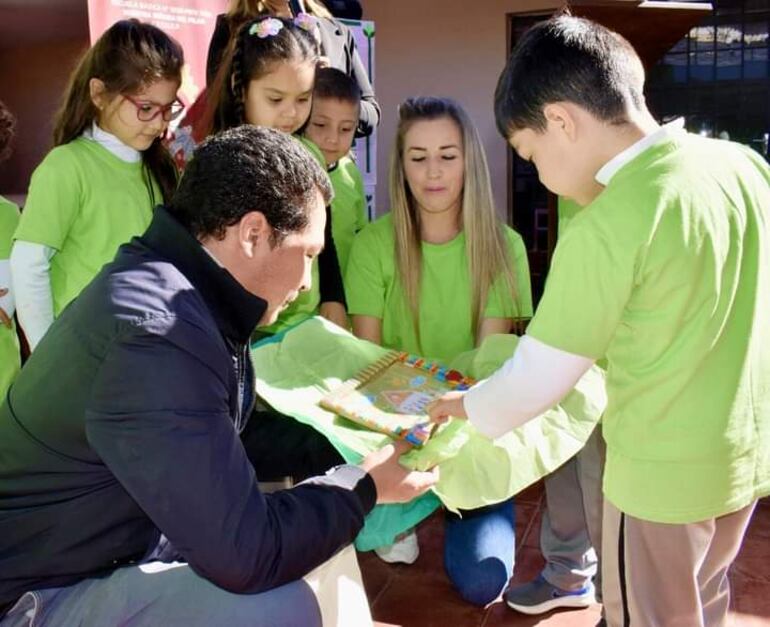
240,11
485,241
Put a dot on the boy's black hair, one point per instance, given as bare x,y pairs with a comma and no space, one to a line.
568,59
333,83
249,168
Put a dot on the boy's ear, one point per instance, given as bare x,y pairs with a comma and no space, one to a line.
560,118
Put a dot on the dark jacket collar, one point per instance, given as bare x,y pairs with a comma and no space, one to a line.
236,311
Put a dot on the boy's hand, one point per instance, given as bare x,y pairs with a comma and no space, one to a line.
448,406
396,484
335,312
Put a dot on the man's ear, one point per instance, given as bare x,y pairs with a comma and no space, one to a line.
561,117
253,229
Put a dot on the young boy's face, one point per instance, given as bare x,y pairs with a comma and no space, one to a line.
332,126
546,153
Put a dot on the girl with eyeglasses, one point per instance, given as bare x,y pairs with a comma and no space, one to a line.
96,189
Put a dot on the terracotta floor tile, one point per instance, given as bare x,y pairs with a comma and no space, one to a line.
753,560
750,598
529,563
532,494
500,615
377,575
424,599
528,517
430,534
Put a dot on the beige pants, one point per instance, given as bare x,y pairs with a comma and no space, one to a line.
664,575
339,590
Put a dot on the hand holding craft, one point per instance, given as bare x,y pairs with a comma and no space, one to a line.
448,406
396,484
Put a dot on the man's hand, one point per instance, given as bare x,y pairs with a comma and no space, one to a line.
5,319
396,484
335,312
448,406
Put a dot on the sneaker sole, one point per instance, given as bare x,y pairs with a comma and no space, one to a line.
552,604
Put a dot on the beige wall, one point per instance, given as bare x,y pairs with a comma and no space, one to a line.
453,48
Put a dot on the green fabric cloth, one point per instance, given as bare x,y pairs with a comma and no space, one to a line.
348,207
10,358
295,369
84,202
667,273
446,329
307,303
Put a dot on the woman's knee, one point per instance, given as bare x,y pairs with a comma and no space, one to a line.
479,551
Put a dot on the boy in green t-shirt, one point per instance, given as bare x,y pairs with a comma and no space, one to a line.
332,126
666,272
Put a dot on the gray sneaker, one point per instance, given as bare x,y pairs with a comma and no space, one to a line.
539,596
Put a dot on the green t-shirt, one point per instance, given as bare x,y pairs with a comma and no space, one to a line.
667,273
445,316
84,202
567,209
348,207
10,359
307,303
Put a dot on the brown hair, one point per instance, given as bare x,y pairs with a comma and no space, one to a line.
130,54
240,11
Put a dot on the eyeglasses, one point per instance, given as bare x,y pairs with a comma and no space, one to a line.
148,111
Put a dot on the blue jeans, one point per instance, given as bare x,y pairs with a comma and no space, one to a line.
157,594
479,550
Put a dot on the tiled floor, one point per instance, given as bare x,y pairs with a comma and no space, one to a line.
420,595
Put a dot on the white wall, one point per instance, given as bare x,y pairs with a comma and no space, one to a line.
452,48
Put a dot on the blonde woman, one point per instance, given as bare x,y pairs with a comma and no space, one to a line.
434,277
337,46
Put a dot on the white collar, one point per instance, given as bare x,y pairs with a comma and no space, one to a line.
609,169
112,144
212,255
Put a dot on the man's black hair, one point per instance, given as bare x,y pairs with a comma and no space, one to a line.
568,59
333,83
249,168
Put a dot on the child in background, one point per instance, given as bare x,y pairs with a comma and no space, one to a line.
96,189
10,358
435,277
267,80
332,127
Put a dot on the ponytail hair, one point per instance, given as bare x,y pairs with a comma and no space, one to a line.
250,57
129,55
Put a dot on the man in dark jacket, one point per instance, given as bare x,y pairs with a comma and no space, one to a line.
119,442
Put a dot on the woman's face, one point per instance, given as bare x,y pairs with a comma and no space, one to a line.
434,165
119,114
281,99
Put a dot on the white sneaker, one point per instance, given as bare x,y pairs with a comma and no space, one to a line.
405,550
